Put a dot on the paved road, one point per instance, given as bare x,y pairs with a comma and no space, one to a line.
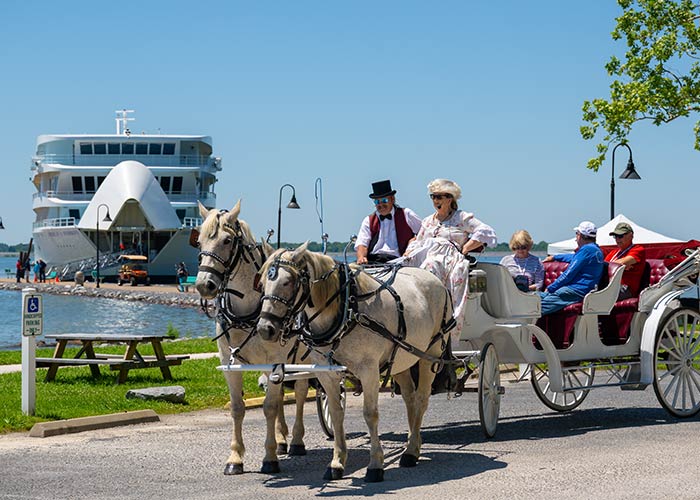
617,445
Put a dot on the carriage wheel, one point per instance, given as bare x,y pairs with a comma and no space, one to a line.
324,414
677,363
489,390
579,377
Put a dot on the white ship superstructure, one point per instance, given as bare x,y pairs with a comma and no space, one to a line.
149,183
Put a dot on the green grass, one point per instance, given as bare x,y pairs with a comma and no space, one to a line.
75,393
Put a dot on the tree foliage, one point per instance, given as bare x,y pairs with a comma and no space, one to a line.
659,77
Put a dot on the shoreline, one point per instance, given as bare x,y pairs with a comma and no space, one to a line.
153,294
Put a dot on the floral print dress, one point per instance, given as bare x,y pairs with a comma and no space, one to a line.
438,249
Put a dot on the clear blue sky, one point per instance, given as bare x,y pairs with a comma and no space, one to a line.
485,93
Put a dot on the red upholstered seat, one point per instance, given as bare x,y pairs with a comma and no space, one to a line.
615,328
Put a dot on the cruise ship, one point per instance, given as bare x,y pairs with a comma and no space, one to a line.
125,193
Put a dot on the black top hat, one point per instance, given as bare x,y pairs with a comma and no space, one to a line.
381,189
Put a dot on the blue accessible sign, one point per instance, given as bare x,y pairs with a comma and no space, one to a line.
32,315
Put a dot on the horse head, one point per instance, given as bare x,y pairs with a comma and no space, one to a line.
284,279
221,239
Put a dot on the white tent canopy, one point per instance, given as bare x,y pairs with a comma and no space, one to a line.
641,235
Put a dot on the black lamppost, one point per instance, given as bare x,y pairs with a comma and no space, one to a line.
629,173
292,204
97,241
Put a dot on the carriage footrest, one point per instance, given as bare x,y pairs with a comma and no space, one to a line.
634,387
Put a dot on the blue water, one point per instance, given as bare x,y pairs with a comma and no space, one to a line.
68,314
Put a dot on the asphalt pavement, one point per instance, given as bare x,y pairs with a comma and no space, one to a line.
616,445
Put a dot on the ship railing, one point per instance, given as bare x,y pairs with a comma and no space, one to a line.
191,222
183,196
57,222
64,195
111,160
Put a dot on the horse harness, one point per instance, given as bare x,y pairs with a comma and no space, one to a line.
250,253
295,322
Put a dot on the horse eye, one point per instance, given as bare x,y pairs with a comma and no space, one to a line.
227,241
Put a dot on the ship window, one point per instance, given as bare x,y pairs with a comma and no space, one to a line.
89,184
177,185
154,149
169,148
75,213
113,148
100,148
165,183
77,184
128,148
100,180
141,148
85,148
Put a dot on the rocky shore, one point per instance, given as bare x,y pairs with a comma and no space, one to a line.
154,294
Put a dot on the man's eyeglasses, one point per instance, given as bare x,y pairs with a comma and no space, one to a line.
520,248
381,200
618,236
435,196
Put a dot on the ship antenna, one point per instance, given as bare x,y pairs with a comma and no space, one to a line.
123,120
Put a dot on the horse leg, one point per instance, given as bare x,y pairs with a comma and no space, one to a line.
331,384
408,393
281,429
234,464
370,383
301,391
271,409
418,409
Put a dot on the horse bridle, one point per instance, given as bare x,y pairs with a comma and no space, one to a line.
297,301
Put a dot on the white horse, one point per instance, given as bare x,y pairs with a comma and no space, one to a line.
229,259
356,321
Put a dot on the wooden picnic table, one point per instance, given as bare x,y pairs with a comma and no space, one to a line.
131,359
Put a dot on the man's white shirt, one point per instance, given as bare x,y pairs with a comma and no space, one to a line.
387,242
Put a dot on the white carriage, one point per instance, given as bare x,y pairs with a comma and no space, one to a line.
653,339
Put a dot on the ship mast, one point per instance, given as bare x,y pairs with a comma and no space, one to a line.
123,120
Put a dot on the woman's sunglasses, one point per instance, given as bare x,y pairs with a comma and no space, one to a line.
520,248
434,196
381,200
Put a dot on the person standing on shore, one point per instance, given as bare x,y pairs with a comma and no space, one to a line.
19,269
181,276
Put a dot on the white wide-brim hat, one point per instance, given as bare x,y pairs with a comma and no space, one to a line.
445,186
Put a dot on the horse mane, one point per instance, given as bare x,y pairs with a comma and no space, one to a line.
320,264
212,224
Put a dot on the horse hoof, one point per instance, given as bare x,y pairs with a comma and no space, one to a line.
333,474
233,469
281,448
270,467
408,460
297,450
374,476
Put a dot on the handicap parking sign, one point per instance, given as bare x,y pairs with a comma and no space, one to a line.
32,316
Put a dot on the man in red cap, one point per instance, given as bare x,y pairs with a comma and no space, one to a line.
384,234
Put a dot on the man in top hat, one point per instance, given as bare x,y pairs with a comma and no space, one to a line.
384,234
583,274
632,256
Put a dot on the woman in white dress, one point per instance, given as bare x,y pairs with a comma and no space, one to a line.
445,238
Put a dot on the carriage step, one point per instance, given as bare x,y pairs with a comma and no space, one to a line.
501,390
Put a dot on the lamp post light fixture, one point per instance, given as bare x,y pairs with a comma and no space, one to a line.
292,204
629,173
97,241
2,226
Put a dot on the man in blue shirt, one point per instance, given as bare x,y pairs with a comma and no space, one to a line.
583,274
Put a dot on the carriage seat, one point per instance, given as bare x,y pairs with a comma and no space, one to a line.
560,325
615,327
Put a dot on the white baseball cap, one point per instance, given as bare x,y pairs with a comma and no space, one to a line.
587,228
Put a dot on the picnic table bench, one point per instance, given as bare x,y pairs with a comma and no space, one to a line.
132,358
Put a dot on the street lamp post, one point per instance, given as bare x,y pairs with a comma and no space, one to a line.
97,241
292,204
629,173
2,226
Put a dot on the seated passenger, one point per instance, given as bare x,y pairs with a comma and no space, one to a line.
632,256
385,234
525,268
585,269
444,239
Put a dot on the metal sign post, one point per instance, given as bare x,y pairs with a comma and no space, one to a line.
32,325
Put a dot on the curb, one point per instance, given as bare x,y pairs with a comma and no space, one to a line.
258,402
71,425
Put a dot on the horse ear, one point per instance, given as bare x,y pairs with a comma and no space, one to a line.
236,209
202,210
267,248
299,252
